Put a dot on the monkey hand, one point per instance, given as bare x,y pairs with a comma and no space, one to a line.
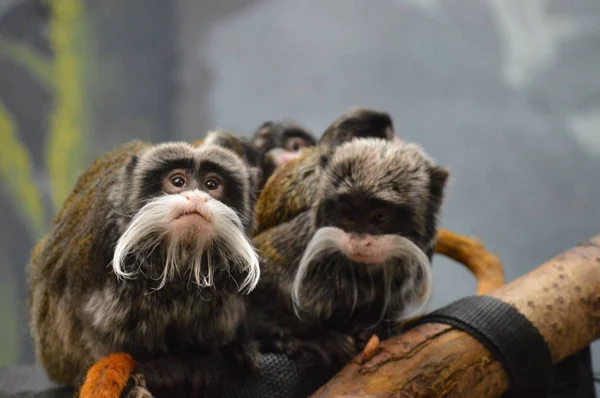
173,376
137,388
328,347
200,375
242,357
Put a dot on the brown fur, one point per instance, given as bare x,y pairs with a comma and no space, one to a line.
61,344
290,191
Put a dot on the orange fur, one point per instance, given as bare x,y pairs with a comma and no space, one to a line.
108,377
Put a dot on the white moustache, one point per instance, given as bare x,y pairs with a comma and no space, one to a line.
330,240
151,227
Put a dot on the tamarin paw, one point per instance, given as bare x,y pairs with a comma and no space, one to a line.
138,388
243,357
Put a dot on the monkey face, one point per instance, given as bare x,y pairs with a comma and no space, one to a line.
282,142
242,147
191,212
363,213
375,214
378,187
366,221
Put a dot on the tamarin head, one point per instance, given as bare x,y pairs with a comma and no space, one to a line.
240,145
281,142
184,210
358,123
375,218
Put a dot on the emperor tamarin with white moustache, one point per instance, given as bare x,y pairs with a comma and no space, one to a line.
359,257
148,258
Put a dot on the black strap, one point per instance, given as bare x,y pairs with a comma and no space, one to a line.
509,336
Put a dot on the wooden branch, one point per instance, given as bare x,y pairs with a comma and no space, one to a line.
471,252
561,298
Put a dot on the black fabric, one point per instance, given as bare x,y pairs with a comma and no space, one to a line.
508,335
279,377
574,377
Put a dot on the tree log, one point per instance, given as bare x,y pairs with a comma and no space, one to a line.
561,298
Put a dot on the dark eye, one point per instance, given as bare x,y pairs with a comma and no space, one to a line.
178,181
294,145
379,217
212,184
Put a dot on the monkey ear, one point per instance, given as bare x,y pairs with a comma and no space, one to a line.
260,136
133,162
324,158
390,134
255,174
266,125
439,178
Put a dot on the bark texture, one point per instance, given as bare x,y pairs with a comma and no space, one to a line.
561,298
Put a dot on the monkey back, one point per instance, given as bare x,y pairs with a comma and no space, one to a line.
63,266
290,191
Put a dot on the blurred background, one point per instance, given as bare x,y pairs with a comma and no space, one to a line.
506,93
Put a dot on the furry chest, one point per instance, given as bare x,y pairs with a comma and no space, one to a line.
159,322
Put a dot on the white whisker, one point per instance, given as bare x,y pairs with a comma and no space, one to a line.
354,292
150,227
324,239
413,261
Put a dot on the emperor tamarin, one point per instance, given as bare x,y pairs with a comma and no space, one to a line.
358,257
149,257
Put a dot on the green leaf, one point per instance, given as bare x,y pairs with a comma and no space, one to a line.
67,147
9,333
16,170
28,58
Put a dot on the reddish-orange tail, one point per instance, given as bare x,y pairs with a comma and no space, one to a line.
471,252
108,377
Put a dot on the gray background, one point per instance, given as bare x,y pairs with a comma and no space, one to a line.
506,93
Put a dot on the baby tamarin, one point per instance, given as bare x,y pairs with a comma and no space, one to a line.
281,142
274,144
358,257
148,258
